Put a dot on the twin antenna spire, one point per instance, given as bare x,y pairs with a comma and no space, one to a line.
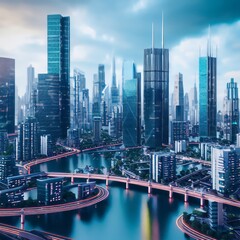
162,33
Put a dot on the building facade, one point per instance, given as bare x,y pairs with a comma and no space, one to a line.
231,112
58,41
49,191
163,166
207,96
48,110
156,96
7,95
131,105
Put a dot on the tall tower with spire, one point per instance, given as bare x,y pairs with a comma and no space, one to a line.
156,94
114,88
208,94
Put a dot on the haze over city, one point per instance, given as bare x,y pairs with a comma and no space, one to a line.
103,29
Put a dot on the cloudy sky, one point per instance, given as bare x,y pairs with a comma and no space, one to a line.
103,28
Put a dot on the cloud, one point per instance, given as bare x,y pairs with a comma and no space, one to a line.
139,5
89,31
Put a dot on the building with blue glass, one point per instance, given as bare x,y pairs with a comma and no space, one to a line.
7,95
208,96
48,110
231,112
59,63
156,96
131,87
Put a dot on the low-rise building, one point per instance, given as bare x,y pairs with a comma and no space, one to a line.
163,166
86,189
49,191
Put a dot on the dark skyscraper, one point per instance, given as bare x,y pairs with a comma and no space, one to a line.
131,105
7,95
48,111
101,77
231,112
59,63
156,95
207,96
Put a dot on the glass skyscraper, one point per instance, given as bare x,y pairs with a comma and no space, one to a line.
156,97
207,96
131,105
48,111
59,63
7,95
231,112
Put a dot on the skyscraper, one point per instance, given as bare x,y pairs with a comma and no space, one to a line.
193,105
131,105
7,95
156,95
178,98
101,77
48,111
114,89
29,90
59,63
208,95
231,112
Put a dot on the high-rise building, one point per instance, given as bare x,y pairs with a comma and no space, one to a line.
28,140
225,169
7,95
101,77
48,111
163,166
193,105
231,112
207,96
178,98
96,103
7,167
216,214
156,96
85,116
186,107
131,105
59,63
114,88
78,84
29,90
179,131
97,125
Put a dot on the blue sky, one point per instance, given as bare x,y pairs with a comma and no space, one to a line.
101,29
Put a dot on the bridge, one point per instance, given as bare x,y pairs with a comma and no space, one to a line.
150,185
184,158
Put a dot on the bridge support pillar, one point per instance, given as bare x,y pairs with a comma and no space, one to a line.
107,182
72,180
149,187
201,201
22,221
185,197
170,192
127,183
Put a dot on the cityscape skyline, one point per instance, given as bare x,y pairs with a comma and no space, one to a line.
93,38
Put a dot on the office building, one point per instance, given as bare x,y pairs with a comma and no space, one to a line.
3,142
7,95
193,105
28,140
178,98
46,146
216,214
163,166
225,169
49,191
58,41
179,131
7,167
97,126
207,96
131,105
156,96
114,88
86,189
48,109
231,112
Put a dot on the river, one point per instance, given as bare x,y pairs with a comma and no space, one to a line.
125,215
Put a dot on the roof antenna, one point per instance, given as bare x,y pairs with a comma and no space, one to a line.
162,31
152,36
